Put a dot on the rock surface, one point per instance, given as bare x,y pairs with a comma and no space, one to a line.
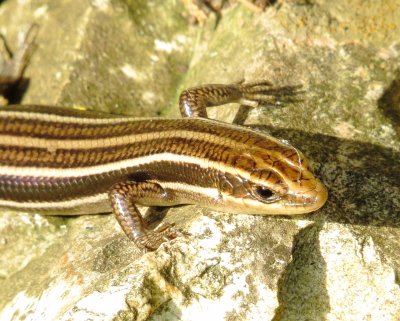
134,57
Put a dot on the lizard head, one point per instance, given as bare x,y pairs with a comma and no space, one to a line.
271,177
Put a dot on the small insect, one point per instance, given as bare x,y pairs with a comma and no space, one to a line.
13,65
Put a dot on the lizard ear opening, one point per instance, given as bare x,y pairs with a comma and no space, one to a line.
139,177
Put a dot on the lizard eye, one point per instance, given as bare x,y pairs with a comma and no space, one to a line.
265,194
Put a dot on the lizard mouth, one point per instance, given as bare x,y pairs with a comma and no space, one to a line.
308,201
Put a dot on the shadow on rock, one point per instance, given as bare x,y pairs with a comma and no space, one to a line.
363,179
302,290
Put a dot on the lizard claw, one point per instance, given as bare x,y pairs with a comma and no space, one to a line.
152,239
263,92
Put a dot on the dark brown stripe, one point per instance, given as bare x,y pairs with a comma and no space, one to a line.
60,130
38,189
74,158
48,189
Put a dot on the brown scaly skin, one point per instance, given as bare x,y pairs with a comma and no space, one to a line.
192,103
123,197
55,160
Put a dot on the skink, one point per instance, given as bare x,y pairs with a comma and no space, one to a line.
60,161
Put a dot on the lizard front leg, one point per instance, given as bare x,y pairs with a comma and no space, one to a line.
123,197
194,101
